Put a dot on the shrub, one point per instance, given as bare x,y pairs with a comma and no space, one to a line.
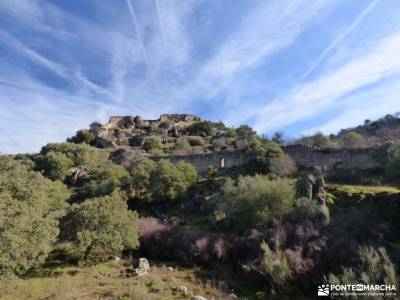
276,267
82,136
151,143
203,128
392,153
245,132
30,207
352,140
305,208
375,267
104,223
264,152
283,165
255,201
196,141
182,146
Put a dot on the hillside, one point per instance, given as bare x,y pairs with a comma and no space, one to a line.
123,211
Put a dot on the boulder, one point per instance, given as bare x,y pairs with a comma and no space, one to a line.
198,298
76,174
182,290
143,268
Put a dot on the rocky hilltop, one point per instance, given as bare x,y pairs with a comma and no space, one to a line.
170,134
128,130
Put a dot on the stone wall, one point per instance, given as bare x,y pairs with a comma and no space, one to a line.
220,159
327,159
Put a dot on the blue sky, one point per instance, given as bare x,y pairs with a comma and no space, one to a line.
297,66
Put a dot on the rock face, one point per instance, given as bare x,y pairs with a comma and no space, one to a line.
306,186
128,130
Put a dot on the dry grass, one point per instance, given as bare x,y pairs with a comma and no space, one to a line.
104,281
365,189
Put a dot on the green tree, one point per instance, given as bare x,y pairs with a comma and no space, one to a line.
105,180
54,165
391,153
254,201
83,136
103,222
202,128
30,208
168,181
264,152
140,178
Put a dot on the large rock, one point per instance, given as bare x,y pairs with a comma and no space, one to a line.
319,191
143,268
198,298
305,186
76,174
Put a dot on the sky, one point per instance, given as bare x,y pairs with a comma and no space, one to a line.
297,66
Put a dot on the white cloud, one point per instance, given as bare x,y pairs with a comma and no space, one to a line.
307,99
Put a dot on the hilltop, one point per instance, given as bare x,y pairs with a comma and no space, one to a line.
170,134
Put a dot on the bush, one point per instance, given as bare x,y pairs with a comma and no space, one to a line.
82,136
283,165
30,207
375,267
104,223
151,143
202,128
264,152
255,201
305,208
392,168
196,141
276,267
182,146
352,140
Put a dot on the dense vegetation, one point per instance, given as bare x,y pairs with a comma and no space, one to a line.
274,230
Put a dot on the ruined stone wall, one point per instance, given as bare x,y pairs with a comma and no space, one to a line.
327,159
202,161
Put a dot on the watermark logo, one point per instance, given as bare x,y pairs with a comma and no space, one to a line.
323,290
369,290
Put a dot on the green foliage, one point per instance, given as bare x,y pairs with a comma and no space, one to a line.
140,178
30,207
105,180
245,132
202,128
55,165
196,141
168,181
264,151
305,208
375,267
151,143
352,140
276,267
392,168
83,136
104,223
55,160
182,146
282,165
254,201
79,154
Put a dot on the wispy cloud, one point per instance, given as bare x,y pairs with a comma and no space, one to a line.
308,99
341,36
